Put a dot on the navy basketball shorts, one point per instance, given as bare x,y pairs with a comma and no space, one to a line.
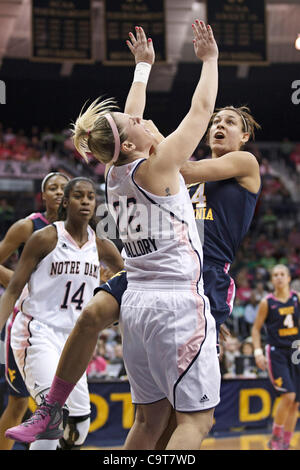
219,287
13,377
283,373
116,286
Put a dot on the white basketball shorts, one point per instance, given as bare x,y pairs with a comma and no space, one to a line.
169,347
37,349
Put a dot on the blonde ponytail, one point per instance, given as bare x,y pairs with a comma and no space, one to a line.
92,132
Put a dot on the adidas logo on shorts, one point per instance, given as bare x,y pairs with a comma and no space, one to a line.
204,398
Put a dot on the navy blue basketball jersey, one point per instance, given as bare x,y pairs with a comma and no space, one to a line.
39,221
282,322
223,213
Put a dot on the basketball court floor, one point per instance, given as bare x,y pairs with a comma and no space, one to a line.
234,442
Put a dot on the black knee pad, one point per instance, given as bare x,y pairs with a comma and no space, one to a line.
68,442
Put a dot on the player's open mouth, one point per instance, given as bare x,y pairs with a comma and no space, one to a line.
219,135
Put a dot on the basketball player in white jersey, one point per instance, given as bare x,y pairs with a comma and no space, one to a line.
52,190
168,331
61,265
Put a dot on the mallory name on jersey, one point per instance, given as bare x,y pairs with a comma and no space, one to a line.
140,247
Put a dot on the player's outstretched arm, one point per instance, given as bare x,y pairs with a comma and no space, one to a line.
144,55
231,165
177,148
37,247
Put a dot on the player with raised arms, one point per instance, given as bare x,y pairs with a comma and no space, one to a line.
236,126
161,376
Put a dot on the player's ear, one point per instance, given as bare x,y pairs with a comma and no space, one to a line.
245,138
127,147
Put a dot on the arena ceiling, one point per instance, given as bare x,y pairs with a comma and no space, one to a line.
283,25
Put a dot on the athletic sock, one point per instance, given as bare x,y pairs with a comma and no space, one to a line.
287,436
277,431
59,391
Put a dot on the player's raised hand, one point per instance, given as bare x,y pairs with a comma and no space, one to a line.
205,45
141,47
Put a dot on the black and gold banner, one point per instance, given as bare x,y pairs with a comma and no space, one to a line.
121,16
62,30
240,30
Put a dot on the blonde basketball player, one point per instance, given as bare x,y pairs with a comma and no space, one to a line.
168,331
61,265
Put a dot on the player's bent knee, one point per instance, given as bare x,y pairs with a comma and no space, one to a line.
202,421
101,312
75,432
88,319
289,398
153,422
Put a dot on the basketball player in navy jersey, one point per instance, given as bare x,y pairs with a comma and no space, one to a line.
280,313
52,189
62,258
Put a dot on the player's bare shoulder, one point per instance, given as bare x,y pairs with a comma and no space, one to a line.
250,173
21,230
43,241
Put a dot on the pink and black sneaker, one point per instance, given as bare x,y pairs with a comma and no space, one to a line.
45,423
275,443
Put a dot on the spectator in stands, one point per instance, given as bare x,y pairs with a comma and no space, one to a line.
117,367
295,158
262,244
294,237
246,361
247,347
269,223
250,312
237,317
286,148
98,364
9,136
268,261
260,292
231,349
265,168
5,151
243,290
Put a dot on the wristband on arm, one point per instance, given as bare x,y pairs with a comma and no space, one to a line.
258,352
142,72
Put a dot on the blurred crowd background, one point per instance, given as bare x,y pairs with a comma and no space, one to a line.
274,235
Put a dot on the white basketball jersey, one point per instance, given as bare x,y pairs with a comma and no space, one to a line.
64,281
159,233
